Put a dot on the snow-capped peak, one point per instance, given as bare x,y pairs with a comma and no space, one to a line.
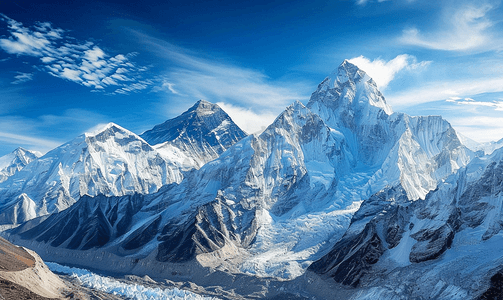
203,108
349,90
196,137
288,117
110,127
348,72
15,161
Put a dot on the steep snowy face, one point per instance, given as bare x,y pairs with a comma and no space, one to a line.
15,161
195,137
408,248
348,100
113,161
416,151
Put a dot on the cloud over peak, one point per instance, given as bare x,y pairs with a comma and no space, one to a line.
383,72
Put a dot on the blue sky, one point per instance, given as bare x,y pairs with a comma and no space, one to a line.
69,67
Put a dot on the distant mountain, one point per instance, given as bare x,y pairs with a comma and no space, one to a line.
15,161
196,137
273,203
485,148
116,162
112,161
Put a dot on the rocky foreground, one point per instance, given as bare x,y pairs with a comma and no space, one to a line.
24,275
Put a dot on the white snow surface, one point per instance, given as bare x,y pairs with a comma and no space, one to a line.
131,291
13,162
464,270
113,162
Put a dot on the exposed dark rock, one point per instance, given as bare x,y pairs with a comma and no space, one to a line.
90,223
352,257
495,291
431,244
142,235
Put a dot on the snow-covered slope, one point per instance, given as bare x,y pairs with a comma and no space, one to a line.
273,203
196,137
417,151
445,247
15,161
112,161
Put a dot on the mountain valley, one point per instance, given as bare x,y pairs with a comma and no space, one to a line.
341,197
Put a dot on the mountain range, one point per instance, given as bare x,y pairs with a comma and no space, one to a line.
114,161
378,203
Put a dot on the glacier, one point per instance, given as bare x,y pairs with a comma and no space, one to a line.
115,287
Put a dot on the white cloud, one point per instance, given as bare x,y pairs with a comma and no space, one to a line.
467,29
497,105
452,90
248,120
171,87
37,143
383,71
479,128
198,78
363,2
63,57
24,41
22,77
166,86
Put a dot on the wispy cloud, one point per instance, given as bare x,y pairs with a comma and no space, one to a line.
63,57
33,143
496,104
364,2
383,71
22,77
166,86
442,90
479,128
193,77
467,28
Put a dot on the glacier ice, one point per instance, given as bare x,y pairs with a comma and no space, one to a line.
129,290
